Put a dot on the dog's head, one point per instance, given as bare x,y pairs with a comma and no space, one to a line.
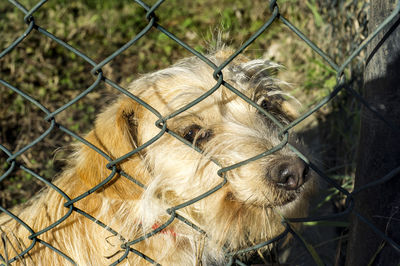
223,128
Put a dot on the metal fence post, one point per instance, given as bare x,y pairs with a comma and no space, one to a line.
379,147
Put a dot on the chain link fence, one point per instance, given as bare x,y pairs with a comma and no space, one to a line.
153,23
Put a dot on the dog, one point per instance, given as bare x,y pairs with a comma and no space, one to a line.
190,148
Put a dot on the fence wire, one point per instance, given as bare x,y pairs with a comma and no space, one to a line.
154,23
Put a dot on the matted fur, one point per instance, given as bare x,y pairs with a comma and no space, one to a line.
246,211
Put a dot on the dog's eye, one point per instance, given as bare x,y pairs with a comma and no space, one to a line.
191,132
195,132
273,105
266,105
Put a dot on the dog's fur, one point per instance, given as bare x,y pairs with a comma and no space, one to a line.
247,210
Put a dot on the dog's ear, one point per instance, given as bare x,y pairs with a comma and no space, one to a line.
115,133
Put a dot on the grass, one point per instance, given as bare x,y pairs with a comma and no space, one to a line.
53,76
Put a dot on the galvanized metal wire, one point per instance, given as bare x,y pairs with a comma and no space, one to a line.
153,23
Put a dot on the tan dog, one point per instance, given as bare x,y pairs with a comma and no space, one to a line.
245,211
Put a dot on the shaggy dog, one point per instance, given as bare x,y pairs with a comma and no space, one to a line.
243,205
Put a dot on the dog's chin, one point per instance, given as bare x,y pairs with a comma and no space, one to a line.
286,197
289,196
280,202
287,200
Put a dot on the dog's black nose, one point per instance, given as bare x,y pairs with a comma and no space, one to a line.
290,173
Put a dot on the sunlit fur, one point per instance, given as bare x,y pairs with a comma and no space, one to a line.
244,212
